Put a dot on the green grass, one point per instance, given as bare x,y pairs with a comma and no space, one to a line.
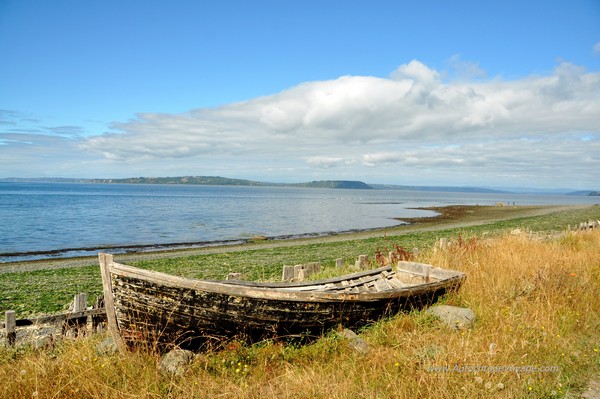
48,291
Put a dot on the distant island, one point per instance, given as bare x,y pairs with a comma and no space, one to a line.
334,184
201,180
586,193
225,181
198,180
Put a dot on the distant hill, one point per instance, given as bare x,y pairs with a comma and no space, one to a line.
225,181
586,193
202,180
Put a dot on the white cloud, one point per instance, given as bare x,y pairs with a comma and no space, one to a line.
597,48
372,128
416,72
414,105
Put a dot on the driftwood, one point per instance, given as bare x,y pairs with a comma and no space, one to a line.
75,319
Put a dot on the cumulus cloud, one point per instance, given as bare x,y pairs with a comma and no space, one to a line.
362,126
414,104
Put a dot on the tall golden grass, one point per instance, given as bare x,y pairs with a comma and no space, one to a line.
536,335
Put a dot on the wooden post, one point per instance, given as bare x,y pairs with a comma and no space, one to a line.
78,324
297,269
288,273
363,261
339,262
301,275
443,243
313,268
106,261
426,273
11,325
79,302
97,320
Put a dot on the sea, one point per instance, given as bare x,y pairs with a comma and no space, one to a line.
61,220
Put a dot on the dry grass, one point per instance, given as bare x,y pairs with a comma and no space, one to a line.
537,305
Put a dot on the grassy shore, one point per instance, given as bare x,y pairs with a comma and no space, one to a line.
536,333
48,286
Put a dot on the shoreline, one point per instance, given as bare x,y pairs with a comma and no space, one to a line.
451,216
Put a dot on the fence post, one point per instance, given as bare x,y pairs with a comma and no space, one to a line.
362,263
297,270
11,325
98,319
79,302
288,273
79,305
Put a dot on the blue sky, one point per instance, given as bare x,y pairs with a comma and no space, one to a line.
494,93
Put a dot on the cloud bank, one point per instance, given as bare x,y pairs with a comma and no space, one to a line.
413,126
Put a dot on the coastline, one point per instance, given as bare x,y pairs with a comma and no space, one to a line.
452,216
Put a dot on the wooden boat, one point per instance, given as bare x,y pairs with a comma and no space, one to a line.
151,308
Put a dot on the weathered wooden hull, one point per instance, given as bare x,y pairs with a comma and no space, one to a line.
157,309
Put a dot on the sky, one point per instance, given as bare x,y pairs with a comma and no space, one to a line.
454,93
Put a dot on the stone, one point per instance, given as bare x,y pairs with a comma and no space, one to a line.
453,317
176,361
355,342
593,389
45,342
107,347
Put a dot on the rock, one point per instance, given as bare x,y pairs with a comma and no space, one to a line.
355,342
45,342
36,337
593,390
175,361
107,347
454,317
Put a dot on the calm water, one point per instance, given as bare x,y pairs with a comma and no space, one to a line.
80,218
